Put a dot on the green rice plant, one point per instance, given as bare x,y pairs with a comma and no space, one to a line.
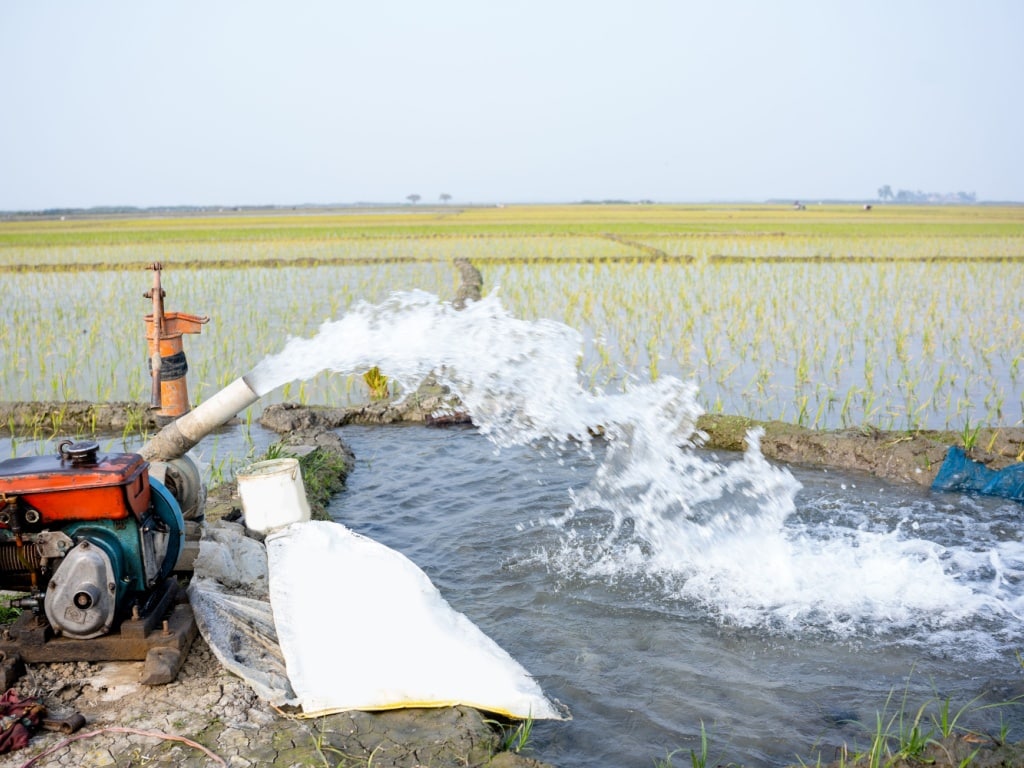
276,451
912,736
377,383
1004,732
218,471
844,758
903,736
57,421
895,736
969,435
945,719
843,304
992,439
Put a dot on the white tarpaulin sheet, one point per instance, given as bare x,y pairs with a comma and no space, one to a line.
362,627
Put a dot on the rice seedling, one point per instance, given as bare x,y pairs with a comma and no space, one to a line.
969,435
377,383
832,321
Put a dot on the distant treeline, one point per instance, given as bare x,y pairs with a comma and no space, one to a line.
130,210
917,196
183,210
616,202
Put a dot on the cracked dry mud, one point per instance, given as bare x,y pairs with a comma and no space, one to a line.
210,717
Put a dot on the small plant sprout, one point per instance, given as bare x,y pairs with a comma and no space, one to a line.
514,737
700,759
969,435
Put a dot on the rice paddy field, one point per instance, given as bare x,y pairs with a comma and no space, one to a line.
899,317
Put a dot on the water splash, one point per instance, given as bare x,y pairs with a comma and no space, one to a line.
720,534
517,378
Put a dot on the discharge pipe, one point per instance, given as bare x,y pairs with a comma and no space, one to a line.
175,439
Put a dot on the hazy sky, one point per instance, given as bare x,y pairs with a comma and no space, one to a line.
224,102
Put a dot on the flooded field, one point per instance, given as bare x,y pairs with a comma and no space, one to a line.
901,319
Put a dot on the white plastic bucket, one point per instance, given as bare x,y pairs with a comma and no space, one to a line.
272,494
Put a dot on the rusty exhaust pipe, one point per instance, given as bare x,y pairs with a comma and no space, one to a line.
156,293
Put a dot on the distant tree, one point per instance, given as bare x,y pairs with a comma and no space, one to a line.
413,198
885,192
445,197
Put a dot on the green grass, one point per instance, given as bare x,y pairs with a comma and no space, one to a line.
515,737
323,474
907,735
698,758
900,735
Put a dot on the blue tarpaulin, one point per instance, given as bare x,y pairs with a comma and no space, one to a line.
959,472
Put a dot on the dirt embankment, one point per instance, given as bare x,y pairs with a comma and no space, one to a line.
905,456
898,456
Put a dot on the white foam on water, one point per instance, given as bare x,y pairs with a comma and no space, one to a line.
717,534
724,536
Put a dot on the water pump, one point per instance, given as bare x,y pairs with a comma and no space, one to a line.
91,539
85,535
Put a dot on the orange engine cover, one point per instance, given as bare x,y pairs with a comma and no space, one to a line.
110,488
